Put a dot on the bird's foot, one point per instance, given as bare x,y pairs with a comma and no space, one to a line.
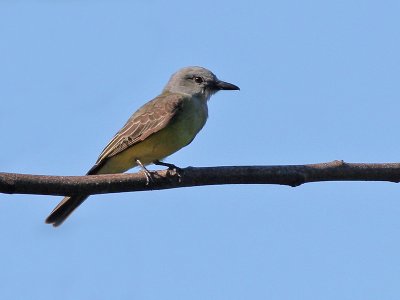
149,175
178,171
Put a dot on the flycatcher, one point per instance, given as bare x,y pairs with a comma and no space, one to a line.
156,130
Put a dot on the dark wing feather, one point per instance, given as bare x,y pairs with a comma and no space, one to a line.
150,118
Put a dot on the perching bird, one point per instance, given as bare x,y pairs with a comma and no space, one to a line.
159,128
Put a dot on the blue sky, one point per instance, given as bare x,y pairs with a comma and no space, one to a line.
319,82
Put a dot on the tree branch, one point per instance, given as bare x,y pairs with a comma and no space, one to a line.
292,175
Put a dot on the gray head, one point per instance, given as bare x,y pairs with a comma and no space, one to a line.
197,81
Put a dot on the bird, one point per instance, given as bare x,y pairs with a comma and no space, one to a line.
156,130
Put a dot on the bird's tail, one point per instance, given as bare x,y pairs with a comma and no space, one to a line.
67,205
64,209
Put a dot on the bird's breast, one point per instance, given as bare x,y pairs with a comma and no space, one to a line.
191,119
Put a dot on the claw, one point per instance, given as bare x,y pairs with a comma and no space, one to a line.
170,167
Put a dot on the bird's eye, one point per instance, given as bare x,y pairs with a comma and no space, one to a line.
198,79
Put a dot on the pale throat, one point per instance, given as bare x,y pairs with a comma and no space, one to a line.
207,93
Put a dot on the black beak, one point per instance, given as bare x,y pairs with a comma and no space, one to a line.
222,85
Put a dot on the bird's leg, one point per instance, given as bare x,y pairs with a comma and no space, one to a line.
171,167
149,176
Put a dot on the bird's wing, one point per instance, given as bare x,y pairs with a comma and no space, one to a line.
149,119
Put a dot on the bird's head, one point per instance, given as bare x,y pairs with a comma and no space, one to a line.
197,81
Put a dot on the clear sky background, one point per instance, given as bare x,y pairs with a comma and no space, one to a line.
319,81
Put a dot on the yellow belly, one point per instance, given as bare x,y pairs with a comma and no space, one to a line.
160,144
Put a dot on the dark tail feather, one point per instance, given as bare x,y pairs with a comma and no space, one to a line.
64,209
69,204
